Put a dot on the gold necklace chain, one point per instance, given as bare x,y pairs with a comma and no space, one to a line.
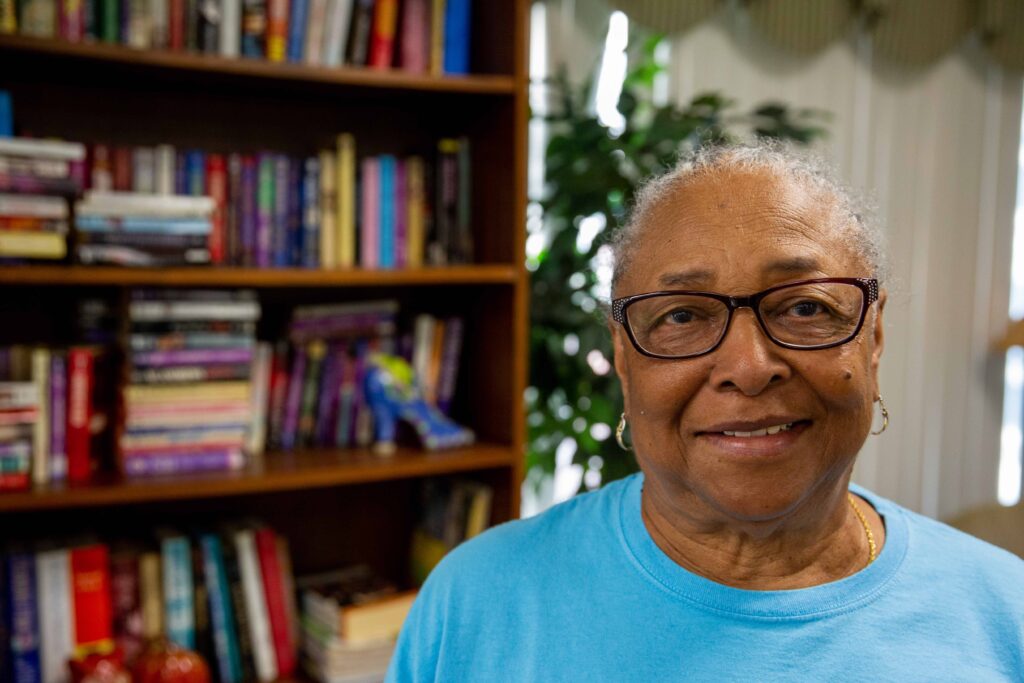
872,549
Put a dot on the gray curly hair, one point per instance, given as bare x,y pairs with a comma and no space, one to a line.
864,235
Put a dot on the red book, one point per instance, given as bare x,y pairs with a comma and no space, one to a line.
382,37
14,481
90,591
277,603
217,187
19,416
81,378
176,24
123,169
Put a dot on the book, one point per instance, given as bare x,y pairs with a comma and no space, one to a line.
456,36
313,50
298,20
310,256
81,382
266,203
359,32
176,571
33,245
438,12
277,29
256,607
345,204
42,149
58,416
355,606
328,211
230,28
236,592
387,205
382,35
56,614
217,189
41,426
126,602
21,617
34,206
254,28
335,34
121,204
414,36
151,594
90,590
222,618
370,207
274,593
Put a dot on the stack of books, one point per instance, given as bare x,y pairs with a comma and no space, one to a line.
228,594
131,229
350,621
188,405
38,178
55,408
415,35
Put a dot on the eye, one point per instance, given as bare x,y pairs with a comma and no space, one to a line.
680,316
807,309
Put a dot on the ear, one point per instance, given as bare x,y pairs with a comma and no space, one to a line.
621,347
878,338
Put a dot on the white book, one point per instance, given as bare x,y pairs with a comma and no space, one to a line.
43,149
56,614
36,206
140,25
318,13
255,605
158,24
336,36
144,170
41,427
230,27
134,204
164,170
194,310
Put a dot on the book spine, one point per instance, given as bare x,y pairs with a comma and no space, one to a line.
360,28
249,211
221,615
266,203
293,402
210,18
126,602
315,353
90,589
41,426
192,25
183,463
278,393
22,619
230,28
456,36
297,26
179,608
72,19
438,10
370,224
279,213
311,214
415,36
195,172
273,589
8,24
254,28
463,211
294,233
217,187
327,398
346,400
453,332
382,38
236,592
257,434
151,594
140,34
256,606
335,38
345,202
192,357
386,246
79,411
328,212
58,417
277,29
158,16
400,214
313,49
233,214
56,614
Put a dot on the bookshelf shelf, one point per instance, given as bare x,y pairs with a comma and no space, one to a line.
58,276
22,47
277,472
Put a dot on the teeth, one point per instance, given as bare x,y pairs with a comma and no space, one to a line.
775,429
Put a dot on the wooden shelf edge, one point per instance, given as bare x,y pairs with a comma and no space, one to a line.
277,472
393,79
228,276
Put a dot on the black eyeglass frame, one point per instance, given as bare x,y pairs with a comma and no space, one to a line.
868,286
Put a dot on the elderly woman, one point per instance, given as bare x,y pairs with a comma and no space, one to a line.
747,324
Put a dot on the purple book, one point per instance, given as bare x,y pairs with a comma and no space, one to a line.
169,462
328,394
58,416
293,402
358,324
192,357
247,220
401,216
265,205
452,346
279,230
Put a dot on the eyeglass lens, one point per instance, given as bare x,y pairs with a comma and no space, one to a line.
807,315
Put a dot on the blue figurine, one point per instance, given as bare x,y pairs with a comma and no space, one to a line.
392,395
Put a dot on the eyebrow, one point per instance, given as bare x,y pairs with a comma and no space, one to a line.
701,277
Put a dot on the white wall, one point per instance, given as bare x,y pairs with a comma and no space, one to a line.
938,149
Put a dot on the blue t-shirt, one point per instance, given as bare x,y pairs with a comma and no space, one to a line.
582,593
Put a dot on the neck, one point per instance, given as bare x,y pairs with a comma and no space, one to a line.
821,541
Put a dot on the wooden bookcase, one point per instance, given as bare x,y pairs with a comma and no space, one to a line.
335,507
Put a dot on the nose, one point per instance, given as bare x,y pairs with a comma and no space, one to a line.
747,360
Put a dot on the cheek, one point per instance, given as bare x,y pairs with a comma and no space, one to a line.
660,391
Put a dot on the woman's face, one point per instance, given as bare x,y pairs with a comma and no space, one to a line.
739,232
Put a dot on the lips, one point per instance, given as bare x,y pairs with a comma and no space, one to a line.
769,437
766,426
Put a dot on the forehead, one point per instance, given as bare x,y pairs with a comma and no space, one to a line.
740,230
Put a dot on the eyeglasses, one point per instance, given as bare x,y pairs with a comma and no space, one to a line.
805,315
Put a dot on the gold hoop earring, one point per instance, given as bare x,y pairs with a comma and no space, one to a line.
885,416
619,430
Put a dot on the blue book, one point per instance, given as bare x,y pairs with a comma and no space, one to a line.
311,214
22,619
456,37
145,224
297,21
179,606
294,212
388,168
195,173
181,172
222,617
279,222
6,114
